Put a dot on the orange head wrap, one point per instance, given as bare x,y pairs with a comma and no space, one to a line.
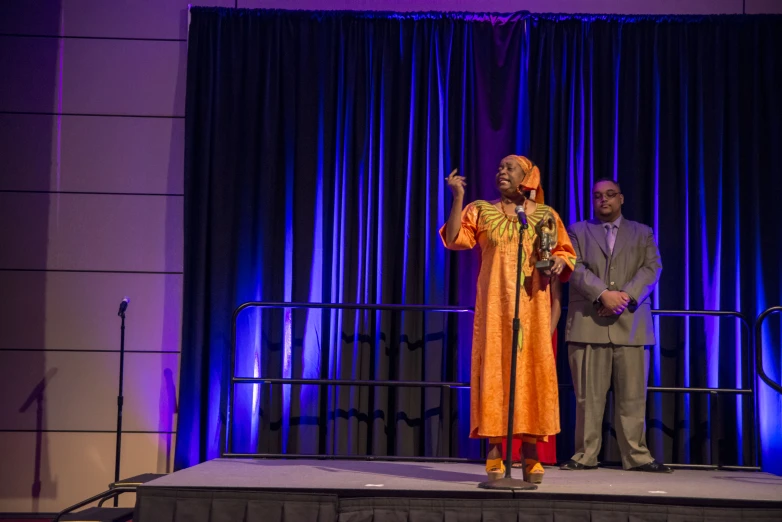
531,180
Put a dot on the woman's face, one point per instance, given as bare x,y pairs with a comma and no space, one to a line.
509,176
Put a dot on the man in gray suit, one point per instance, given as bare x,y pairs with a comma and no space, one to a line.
609,325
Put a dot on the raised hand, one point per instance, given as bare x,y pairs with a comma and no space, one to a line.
456,184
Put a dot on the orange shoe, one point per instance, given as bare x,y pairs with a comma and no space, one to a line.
495,469
533,471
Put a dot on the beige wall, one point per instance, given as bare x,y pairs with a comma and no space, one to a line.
91,204
91,156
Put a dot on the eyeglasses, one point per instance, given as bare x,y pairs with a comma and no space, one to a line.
611,194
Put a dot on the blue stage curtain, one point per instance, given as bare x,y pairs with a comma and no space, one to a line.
316,147
685,113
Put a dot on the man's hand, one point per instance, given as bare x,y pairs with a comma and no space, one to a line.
602,311
613,302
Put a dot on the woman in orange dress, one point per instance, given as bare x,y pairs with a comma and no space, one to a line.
493,226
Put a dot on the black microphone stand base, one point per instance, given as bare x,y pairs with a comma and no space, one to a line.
508,483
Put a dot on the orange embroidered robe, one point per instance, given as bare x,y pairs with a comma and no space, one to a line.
537,398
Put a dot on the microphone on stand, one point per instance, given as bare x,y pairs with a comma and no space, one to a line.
123,305
522,216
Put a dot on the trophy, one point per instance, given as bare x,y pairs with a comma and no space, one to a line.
547,236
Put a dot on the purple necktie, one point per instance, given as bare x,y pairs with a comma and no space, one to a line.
610,238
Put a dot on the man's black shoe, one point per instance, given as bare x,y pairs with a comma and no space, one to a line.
572,465
653,467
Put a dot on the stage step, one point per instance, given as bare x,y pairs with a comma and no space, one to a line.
138,480
100,514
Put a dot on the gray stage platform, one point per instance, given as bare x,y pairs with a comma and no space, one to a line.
246,490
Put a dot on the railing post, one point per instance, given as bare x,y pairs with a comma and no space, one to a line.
715,428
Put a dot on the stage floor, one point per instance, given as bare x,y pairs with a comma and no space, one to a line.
343,480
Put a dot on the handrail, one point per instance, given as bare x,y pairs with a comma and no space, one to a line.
702,313
759,348
448,309
227,451
321,306
108,494
353,306
442,384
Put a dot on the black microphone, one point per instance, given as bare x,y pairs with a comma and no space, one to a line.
522,216
123,305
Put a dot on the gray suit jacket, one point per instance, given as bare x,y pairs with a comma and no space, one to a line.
633,267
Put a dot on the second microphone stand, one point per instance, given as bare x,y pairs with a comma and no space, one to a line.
120,398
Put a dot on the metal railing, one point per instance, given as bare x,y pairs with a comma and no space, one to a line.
759,370
714,412
329,382
714,393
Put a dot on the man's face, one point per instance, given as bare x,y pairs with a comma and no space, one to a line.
607,200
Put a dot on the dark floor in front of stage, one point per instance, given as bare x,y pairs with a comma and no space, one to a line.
380,478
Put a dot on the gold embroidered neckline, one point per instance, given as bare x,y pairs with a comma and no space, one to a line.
532,218
500,225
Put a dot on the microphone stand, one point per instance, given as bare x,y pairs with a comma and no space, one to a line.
508,482
119,402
